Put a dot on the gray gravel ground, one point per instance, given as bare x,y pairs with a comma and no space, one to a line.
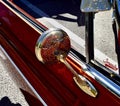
9,92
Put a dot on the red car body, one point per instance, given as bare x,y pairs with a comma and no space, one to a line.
43,84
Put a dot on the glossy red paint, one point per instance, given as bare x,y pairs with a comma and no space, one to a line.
110,65
53,82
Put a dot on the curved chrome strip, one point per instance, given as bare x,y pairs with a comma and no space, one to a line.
28,83
88,69
103,80
106,82
26,19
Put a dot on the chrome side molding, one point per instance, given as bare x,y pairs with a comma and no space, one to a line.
96,75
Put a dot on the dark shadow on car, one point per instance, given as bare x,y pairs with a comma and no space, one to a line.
31,100
55,9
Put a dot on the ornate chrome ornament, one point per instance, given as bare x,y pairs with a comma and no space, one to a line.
53,46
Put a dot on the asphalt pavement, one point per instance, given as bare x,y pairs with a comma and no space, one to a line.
10,95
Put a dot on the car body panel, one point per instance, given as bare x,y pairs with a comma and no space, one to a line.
53,82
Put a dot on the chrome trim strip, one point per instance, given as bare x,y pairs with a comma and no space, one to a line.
106,82
96,75
28,83
26,19
113,87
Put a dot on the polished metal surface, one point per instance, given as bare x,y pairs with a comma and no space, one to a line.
39,28
53,46
88,87
96,75
95,5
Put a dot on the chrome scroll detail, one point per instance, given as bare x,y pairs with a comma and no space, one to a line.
95,5
53,46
